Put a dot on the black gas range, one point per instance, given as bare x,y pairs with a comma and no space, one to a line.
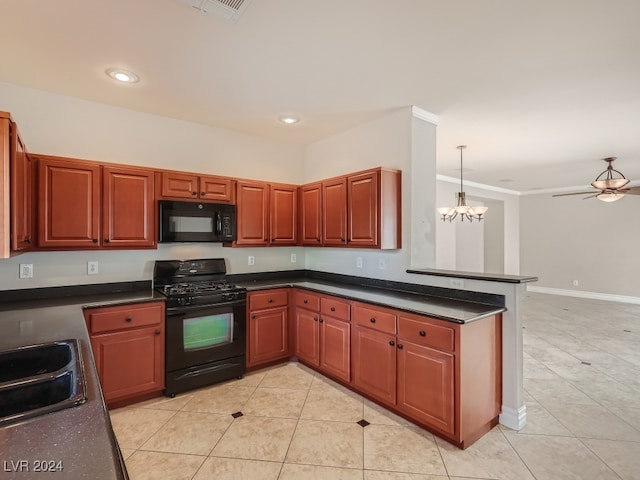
205,323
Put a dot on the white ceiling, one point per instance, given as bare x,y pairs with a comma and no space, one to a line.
538,90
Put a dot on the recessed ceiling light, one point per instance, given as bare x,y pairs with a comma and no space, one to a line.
289,119
124,76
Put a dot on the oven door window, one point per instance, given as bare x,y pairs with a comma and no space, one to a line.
207,331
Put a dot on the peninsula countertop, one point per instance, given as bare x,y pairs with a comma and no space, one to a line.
448,309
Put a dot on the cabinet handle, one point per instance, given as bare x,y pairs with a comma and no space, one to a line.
194,193
422,333
315,319
94,240
106,240
317,239
372,319
158,332
305,301
253,316
270,300
128,319
392,343
27,240
202,194
321,320
333,309
342,240
400,346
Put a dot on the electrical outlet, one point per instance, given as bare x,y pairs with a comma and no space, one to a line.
358,262
456,283
92,268
251,260
575,283
294,259
26,270
382,264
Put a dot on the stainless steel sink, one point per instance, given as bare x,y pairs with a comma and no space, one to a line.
39,379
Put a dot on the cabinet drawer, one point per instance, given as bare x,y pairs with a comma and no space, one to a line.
374,317
427,332
109,319
335,307
268,299
307,299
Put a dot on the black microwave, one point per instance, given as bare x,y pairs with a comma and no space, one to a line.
196,222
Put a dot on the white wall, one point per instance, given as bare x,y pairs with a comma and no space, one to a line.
386,142
567,238
57,125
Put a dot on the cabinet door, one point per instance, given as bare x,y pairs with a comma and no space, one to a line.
69,203
310,214
179,185
218,189
374,363
362,195
335,347
283,214
128,208
307,336
130,362
21,194
334,212
268,336
252,210
426,385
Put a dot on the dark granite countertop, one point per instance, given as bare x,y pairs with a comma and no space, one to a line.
451,310
487,277
80,438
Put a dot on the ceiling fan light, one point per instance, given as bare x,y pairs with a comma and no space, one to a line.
445,211
610,183
609,196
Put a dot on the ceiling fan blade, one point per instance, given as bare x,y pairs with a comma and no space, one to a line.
631,191
572,193
591,196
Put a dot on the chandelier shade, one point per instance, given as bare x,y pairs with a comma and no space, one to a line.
462,209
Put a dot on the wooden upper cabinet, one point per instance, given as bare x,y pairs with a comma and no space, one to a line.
69,203
334,212
218,189
362,201
374,209
283,214
310,214
128,207
190,186
252,213
22,204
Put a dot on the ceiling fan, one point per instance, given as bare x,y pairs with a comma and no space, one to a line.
611,187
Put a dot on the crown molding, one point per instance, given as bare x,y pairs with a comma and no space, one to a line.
422,114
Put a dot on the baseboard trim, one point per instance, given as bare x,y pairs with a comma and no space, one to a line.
582,294
514,419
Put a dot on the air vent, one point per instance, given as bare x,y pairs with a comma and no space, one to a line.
230,10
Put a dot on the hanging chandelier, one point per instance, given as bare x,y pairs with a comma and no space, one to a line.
462,209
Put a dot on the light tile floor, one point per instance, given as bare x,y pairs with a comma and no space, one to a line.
582,391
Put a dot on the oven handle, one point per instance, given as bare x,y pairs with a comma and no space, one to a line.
193,308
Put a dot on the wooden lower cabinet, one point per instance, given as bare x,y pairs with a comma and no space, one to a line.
443,376
307,328
323,333
128,348
374,363
335,347
425,385
268,327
